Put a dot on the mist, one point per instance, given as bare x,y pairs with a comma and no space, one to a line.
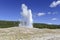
27,20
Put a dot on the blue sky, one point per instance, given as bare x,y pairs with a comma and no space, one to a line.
44,11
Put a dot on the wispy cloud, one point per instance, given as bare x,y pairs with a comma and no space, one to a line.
41,14
54,19
53,13
55,3
49,23
49,13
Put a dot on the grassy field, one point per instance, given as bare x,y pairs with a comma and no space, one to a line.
7,24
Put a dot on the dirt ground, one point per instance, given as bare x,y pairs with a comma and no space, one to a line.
19,33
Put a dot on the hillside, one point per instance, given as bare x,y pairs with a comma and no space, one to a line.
19,33
7,24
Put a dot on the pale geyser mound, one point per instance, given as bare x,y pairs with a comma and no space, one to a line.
21,33
27,20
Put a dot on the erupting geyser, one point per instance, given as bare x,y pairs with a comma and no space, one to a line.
26,20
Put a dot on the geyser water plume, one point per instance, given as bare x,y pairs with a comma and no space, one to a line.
26,14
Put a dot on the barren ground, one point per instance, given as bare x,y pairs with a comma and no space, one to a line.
19,33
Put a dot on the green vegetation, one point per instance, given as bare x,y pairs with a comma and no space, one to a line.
41,25
6,24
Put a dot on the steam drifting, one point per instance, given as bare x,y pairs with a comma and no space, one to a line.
27,20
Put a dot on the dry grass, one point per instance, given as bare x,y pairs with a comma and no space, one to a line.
19,33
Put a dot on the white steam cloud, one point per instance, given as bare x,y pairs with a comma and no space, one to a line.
27,20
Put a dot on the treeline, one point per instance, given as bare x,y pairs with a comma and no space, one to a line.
41,25
6,24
